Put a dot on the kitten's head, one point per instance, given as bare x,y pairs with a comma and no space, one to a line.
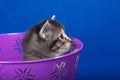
53,31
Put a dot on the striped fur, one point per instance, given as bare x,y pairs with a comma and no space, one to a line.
45,40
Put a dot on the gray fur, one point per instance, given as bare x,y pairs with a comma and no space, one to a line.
45,41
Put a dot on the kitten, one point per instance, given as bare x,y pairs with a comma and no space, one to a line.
45,39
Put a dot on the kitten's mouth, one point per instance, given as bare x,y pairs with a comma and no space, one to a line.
71,41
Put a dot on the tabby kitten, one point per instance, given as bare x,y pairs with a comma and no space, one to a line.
45,39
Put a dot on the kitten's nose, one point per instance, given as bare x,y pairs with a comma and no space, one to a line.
70,40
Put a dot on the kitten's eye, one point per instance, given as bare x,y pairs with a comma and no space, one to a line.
61,36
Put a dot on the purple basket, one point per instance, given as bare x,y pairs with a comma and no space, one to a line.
12,66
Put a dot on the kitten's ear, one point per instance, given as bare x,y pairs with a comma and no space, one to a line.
45,30
53,17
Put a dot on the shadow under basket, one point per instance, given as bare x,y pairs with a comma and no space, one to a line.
13,67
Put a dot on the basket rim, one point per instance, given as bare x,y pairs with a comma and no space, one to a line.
79,42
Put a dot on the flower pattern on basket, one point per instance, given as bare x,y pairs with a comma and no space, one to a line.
2,71
59,71
17,46
24,74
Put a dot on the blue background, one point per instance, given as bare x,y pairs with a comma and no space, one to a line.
95,22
